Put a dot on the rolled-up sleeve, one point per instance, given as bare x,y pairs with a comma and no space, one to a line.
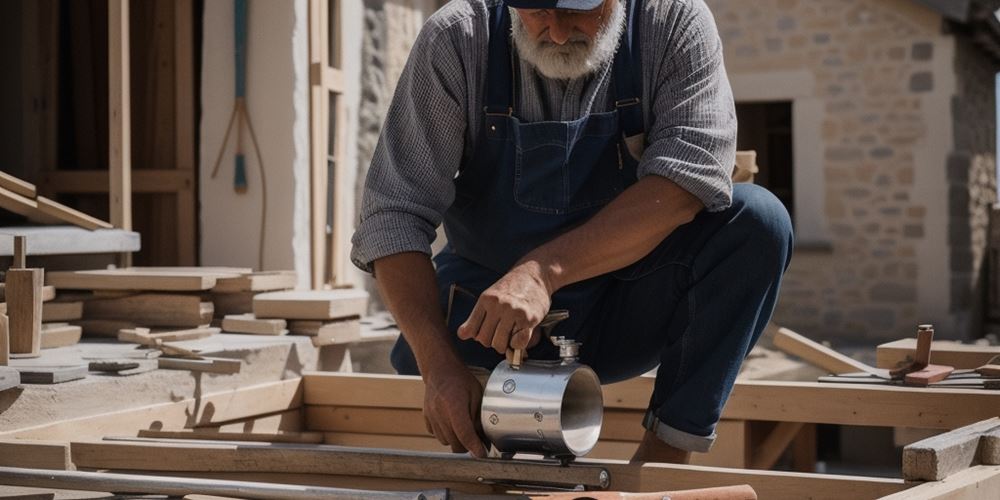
692,134
410,182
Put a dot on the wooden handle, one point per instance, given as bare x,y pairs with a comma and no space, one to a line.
925,335
20,252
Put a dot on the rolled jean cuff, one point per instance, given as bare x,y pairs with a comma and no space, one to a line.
675,437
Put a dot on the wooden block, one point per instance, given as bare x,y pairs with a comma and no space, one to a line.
9,378
132,279
151,337
961,356
103,327
328,332
257,282
60,335
72,216
4,340
212,435
152,310
817,354
233,303
938,457
48,292
211,365
18,186
311,304
62,311
24,304
247,323
35,454
989,370
929,375
51,374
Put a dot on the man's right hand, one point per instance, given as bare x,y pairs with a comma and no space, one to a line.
452,399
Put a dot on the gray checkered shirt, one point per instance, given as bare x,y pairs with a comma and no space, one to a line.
434,119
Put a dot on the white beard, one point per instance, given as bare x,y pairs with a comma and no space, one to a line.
579,56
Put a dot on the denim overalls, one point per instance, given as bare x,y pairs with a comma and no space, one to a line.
526,183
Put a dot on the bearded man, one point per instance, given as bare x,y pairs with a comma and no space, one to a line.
579,154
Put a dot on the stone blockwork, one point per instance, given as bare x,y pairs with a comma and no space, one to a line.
874,67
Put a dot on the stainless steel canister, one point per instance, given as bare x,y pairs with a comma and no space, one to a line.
553,408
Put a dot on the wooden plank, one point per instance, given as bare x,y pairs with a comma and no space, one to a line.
72,216
817,354
186,127
323,459
62,311
209,365
311,304
323,333
35,454
21,187
119,115
25,207
247,323
202,411
51,374
961,356
23,288
154,337
807,402
940,456
132,279
152,310
975,483
233,303
258,282
210,435
59,335
144,180
928,375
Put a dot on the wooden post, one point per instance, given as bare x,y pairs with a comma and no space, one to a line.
24,304
318,123
185,128
119,118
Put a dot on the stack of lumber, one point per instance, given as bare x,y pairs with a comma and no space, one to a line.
55,330
21,198
327,316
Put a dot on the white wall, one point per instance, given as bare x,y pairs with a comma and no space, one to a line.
278,101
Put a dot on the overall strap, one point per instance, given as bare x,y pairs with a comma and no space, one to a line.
628,73
499,78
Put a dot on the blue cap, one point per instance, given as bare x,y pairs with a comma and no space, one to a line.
555,4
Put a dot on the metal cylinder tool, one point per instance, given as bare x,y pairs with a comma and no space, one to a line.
550,407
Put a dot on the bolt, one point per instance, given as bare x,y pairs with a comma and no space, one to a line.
494,419
509,385
604,478
538,416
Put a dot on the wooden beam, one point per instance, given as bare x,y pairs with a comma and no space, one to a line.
67,214
311,304
816,353
96,181
202,411
185,128
132,279
961,356
247,323
119,115
35,454
16,185
940,456
318,122
266,281
208,365
981,482
324,459
152,309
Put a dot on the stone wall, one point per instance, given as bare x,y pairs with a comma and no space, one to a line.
971,177
877,67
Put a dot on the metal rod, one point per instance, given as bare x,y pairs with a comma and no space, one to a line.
180,486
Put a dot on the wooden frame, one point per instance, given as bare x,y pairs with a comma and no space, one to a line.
327,263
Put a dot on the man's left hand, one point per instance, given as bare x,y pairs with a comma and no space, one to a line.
506,314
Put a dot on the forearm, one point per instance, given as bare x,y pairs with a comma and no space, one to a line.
624,231
408,285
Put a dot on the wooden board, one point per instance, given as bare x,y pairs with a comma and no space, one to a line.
257,282
209,365
52,374
103,327
816,353
72,216
151,337
328,332
62,311
247,323
131,279
152,310
943,352
60,335
208,434
233,303
24,303
311,304
21,187
35,454
26,207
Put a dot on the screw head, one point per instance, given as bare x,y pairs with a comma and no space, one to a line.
494,419
509,385
539,416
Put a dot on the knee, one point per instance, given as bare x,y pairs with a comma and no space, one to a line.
764,221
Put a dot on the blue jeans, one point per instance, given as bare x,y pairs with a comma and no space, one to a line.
695,306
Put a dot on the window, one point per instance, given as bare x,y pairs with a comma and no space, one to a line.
766,127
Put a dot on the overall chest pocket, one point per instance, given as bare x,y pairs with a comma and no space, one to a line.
562,169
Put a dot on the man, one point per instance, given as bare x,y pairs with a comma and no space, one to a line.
579,153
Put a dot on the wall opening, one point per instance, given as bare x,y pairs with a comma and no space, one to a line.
766,127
